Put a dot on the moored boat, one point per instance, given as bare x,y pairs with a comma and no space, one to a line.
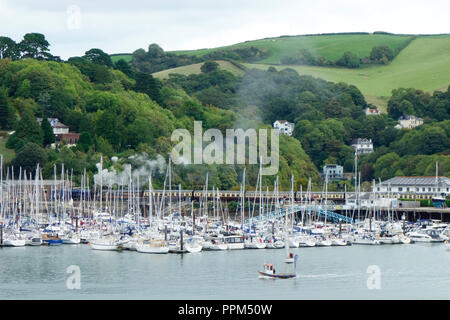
51,240
153,246
104,244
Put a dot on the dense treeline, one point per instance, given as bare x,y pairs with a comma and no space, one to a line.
119,112
378,55
156,59
422,104
329,116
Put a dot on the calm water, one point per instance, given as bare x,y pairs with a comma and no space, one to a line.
417,271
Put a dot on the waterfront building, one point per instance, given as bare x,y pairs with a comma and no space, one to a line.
420,185
368,200
362,145
284,127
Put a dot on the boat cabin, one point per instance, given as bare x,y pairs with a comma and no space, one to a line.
268,268
234,239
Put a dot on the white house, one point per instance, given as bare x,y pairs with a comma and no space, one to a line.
284,127
417,185
57,126
61,132
362,145
334,171
409,122
373,112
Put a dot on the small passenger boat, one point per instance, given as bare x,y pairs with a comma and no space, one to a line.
269,272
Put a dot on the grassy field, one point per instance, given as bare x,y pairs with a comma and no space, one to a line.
424,64
331,47
195,69
126,56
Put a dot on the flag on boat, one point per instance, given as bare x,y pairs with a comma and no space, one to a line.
295,260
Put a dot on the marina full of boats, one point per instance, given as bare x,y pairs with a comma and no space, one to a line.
29,217
177,234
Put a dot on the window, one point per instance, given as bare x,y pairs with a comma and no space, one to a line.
400,189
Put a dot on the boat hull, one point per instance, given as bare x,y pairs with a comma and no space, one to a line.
103,247
52,242
235,246
14,242
150,249
278,275
218,247
193,249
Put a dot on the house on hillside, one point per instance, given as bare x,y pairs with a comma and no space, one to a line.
334,172
372,112
61,132
362,145
284,127
408,122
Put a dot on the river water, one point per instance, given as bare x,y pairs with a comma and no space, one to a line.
416,271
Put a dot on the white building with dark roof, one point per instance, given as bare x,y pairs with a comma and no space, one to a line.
416,185
284,127
334,172
408,122
61,132
362,145
57,126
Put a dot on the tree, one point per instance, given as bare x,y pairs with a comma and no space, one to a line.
209,66
34,45
381,54
349,60
29,156
7,112
367,173
146,83
104,147
84,142
124,66
99,57
155,51
47,130
28,129
8,48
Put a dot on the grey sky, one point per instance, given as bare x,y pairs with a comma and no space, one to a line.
192,24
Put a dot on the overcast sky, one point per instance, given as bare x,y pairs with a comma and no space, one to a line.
73,27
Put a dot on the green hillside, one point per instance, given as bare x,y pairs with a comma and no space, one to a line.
330,47
423,64
195,69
